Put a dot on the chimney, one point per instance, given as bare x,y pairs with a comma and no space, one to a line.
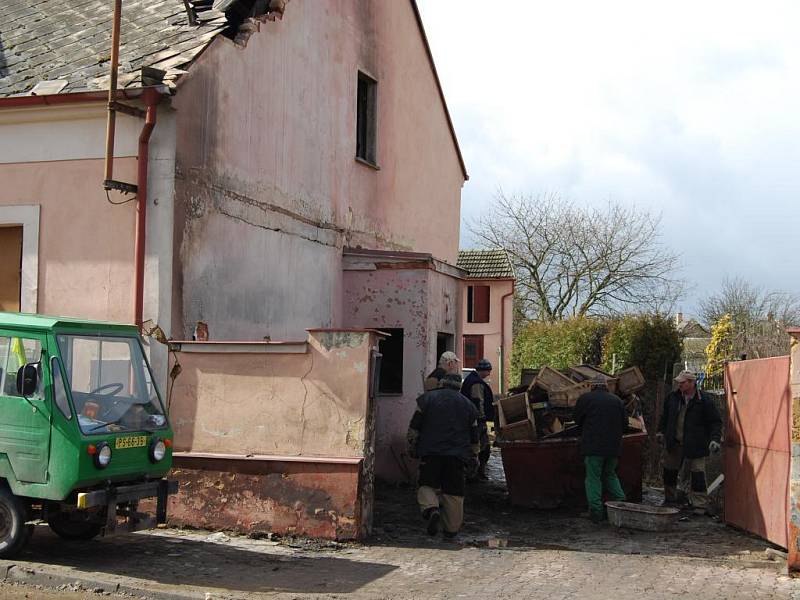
679,318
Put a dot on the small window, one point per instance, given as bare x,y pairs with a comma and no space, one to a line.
391,381
478,304
14,353
366,119
59,391
473,350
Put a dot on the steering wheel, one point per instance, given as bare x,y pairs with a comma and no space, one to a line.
115,388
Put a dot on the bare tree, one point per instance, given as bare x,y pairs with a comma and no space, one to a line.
581,261
759,318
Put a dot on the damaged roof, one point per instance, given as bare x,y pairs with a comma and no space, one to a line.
67,43
486,264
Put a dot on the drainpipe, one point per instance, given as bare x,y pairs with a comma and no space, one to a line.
151,98
112,93
503,335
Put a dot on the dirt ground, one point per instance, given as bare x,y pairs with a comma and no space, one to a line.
502,552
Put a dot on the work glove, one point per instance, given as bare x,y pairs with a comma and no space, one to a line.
660,438
714,447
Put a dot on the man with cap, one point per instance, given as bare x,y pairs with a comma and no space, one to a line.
690,428
476,389
443,434
448,363
602,418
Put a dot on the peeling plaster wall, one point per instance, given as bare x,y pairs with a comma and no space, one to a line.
277,442
312,404
423,303
269,190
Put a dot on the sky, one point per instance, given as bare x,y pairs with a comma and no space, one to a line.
690,110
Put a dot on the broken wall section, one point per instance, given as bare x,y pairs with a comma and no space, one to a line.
275,436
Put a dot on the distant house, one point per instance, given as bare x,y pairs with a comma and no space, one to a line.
695,340
487,312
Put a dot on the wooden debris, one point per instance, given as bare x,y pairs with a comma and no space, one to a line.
551,380
568,396
630,381
588,372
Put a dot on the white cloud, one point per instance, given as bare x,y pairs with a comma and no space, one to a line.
690,109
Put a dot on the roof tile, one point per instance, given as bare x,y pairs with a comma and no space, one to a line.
486,264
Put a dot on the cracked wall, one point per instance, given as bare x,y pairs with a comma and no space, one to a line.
268,190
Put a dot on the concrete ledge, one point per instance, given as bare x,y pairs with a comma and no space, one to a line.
240,347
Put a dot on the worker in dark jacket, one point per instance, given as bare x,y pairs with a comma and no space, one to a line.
690,428
602,418
476,389
443,434
448,363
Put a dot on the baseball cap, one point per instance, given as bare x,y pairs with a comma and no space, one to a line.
685,376
449,357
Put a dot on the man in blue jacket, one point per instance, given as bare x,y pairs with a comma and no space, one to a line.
476,389
690,428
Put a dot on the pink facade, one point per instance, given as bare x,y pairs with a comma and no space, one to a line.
495,335
271,190
254,196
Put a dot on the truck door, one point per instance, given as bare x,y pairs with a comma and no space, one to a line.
24,422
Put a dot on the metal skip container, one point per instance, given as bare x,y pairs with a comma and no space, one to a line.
549,473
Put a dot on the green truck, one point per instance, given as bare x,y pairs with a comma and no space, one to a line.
84,436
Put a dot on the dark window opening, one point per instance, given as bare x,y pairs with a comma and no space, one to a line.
478,304
473,350
366,119
391,379
444,342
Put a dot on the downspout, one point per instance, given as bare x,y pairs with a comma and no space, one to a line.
151,99
503,336
112,95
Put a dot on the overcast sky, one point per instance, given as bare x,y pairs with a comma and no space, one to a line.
688,109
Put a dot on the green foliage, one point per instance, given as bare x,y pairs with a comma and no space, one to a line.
649,342
720,348
558,344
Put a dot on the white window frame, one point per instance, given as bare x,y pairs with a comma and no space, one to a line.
26,216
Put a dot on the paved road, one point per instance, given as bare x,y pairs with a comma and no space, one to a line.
502,553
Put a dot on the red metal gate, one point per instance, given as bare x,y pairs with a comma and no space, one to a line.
757,447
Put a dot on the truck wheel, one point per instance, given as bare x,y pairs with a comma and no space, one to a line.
14,534
68,529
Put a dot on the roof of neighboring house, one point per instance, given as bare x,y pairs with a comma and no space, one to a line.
691,328
486,264
68,44
695,346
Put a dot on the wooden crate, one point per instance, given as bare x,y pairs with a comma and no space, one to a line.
521,430
551,380
511,409
630,380
568,397
588,372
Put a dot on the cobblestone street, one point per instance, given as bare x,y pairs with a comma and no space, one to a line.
502,553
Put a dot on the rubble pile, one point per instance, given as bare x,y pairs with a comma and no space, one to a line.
542,406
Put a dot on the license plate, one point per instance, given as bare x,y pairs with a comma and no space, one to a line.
132,441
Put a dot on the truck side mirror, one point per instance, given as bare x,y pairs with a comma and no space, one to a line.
27,379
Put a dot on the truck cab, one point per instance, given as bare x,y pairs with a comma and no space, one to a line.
84,434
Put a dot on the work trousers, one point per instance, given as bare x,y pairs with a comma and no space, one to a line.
601,475
442,486
671,462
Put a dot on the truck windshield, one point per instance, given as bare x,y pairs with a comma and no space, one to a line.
111,384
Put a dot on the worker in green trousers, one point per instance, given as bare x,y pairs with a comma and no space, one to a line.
602,418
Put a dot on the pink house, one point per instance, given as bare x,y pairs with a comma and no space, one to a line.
294,182
488,312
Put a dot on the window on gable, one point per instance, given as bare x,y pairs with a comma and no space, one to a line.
478,304
366,119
